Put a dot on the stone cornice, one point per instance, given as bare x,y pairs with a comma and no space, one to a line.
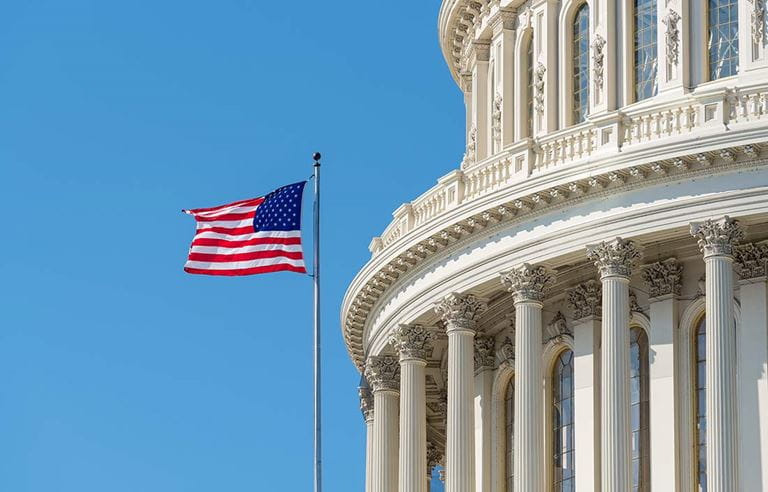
383,272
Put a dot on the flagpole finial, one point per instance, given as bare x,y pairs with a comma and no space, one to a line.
316,156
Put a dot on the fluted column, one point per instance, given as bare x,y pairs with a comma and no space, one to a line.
460,313
412,342
716,240
615,260
383,374
528,285
366,407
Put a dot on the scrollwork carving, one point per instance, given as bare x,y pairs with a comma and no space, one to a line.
461,311
758,19
751,260
485,357
598,60
672,37
558,327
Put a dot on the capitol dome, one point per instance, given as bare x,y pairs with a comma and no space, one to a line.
581,305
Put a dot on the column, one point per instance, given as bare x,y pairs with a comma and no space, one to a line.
716,240
434,458
383,374
460,314
663,281
528,285
485,360
585,302
752,354
506,31
366,406
615,260
480,102
412,342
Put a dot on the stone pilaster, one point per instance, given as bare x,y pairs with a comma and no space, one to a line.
485,360
615,261
460,314
366,407
412,342
716,240
528,285
383,374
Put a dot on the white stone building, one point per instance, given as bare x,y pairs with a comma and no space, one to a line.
582,305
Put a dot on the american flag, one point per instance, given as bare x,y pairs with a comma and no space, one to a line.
253,236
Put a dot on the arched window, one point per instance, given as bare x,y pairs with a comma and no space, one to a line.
509,431
700,403
581,64
529,87
723,38
645,52
564,473
641,466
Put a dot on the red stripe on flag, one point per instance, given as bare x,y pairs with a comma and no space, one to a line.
247,271
233,231
225,243
255,255
250,201
215,218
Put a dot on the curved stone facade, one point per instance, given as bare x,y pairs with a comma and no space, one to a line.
595,266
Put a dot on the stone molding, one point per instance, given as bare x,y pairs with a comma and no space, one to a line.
528,282
615,258
485,357
461,311
717,237
586,299
751,260
383,373
412,342
366,403
663,278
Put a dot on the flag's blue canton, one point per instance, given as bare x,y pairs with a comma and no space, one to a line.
280,210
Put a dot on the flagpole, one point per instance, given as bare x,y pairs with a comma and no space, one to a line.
316,277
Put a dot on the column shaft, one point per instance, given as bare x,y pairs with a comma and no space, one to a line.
586,402
615,404
385,441
721,375
369,455
413,426
483,428
460,438
529,449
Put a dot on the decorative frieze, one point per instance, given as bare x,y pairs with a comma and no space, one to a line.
751,260
586,299
598,59
383,372
461,311
672,36
528,282
485,357
615,258
557,329
412,341
717,237
366,402
663,278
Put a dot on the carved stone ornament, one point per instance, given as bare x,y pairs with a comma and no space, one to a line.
507,351
528,282
434,457
717,237
615,258
412,341
672,37
558,328
496,121
538,83
758,19
383,372
586,299
598,60
366,403
485,357
663,278
751,260
634,306
470,156
461,311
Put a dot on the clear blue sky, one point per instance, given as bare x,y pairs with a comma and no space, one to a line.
118,371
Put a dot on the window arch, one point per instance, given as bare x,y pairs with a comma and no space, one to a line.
529,85
723,38
509,432
645,49
700,403
564,472
640,411
581,63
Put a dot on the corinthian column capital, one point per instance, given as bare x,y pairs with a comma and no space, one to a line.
663,277
528,282
717,237
586,299
366,402
752,260
383,372
461,311
615,258
485,356
412,341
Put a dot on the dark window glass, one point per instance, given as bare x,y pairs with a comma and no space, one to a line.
645,49
700,404
723,42
581,64
510,433
564,472
640,413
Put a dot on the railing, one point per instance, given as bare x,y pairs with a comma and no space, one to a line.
573,146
